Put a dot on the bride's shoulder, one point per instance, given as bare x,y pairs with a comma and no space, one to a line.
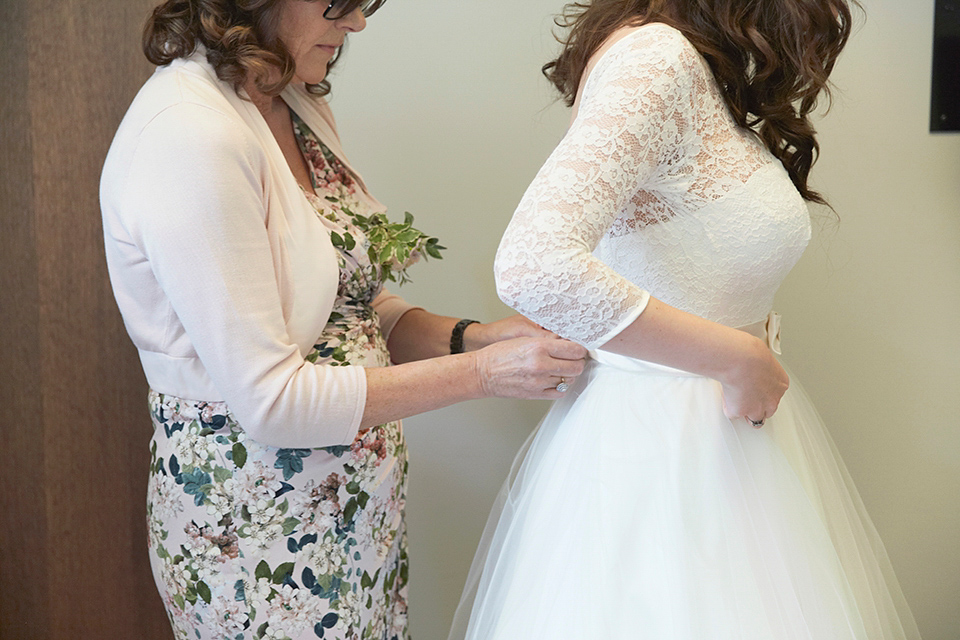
653,51
650,41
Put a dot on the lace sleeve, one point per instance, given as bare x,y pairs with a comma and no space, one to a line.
632,117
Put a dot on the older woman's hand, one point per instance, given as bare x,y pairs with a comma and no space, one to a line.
529,367
478,336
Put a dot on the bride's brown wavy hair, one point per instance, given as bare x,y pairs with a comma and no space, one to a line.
240,37
771,60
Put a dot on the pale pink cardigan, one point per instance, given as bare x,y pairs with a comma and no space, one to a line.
224,274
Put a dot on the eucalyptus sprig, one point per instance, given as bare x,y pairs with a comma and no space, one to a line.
394,246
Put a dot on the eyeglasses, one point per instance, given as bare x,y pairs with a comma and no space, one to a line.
338,9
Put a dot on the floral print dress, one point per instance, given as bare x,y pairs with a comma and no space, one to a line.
250,541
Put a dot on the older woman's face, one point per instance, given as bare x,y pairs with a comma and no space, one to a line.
313,40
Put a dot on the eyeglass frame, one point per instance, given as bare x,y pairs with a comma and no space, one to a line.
359,6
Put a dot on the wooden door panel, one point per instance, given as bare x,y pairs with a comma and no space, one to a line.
75,427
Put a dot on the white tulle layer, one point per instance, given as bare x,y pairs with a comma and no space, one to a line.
638,510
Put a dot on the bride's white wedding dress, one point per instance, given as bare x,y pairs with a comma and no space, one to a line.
637,509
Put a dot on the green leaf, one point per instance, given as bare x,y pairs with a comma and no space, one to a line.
239,455
349,242
290,525
263,570
402,253
362,498
349,510
388,583
353,488
336,239
203,591
221,475
282,571
409,235
407,217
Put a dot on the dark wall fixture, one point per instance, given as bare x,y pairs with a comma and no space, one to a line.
945,96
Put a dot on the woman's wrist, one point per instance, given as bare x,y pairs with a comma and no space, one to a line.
475,377
476,337
742,353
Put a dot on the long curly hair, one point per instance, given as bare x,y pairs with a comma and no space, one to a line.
771,59
240,38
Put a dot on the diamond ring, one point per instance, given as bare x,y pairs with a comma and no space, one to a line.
563,386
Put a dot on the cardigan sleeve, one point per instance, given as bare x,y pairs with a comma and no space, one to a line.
390,307
193,203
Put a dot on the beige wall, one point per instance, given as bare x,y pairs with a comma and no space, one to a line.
874,306
441,106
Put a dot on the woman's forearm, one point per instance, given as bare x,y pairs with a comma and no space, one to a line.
419,335
415,387
675,338
517,368
752,379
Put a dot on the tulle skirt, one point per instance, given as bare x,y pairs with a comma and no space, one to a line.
638,510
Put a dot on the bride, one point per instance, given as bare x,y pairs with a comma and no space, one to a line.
679,490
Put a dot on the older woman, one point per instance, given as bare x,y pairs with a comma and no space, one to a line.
248,259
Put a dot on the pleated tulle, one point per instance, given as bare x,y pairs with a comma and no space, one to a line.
638,510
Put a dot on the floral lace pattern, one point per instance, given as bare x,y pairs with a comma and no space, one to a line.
250,541
654,190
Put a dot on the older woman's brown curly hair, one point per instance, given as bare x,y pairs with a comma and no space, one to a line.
771,59
240,38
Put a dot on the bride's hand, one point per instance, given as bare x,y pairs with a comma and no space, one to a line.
754,384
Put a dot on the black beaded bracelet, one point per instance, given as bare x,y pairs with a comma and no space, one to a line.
456,337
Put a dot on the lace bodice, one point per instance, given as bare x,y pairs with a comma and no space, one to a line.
654,190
